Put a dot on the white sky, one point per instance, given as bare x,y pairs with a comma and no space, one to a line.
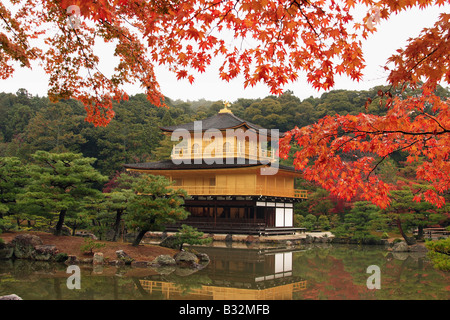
390,36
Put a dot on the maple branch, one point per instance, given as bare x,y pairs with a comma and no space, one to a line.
10,28
122,33
399,149
423,59
88,62
434,119
378,132
414,67
345,142
306,17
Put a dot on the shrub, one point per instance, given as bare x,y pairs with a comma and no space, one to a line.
298,220
363,237
324,223
310,222
190,235
89,245
439,253
341,232
61,257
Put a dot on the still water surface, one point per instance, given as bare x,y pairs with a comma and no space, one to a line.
314,272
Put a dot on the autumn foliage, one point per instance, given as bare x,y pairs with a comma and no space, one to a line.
265,41
270,41
342,152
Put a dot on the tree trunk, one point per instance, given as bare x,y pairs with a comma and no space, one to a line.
117,224
420,232
409,241
139,237
59,225
74,229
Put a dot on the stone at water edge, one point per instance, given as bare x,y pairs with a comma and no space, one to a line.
24,246
203,257
98,258
45,252
186,259
164,260
6,250
72,260
123,256
400,247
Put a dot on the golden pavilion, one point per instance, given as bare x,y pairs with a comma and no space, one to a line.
230,170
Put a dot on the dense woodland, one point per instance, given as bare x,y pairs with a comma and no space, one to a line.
31,123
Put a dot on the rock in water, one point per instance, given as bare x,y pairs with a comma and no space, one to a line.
186,259
400,247
123,256
203,257
164,260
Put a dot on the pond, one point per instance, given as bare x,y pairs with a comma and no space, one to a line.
310,272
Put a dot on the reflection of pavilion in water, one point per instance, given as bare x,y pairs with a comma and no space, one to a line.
237,274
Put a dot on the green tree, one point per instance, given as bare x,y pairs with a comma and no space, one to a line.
408,213
361,217
115,205
324,222
439,253
155,205
18,117
310,222
359,222
164,149
56,128
118,193
190,235
13,179
61,183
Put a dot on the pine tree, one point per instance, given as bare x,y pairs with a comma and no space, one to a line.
61,184
155,205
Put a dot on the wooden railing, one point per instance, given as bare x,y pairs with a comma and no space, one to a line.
223,225
232,225
243,191
186,153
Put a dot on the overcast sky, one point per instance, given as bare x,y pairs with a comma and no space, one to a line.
390,36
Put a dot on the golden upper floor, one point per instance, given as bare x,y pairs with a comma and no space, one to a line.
225,179
223,135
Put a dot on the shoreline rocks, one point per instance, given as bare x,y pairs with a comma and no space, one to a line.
123,256
45,252
402,246
6,250
26,246
31,247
